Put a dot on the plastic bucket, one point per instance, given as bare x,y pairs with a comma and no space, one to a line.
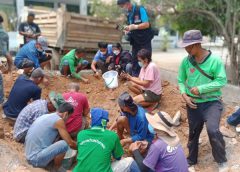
111,79
69,159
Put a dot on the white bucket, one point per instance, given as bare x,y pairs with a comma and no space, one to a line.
111,79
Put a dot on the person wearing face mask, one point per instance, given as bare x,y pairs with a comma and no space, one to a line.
72,63
121,60
147,86
102,58
29,30
133,120
200,78
33,55
138,30
41,147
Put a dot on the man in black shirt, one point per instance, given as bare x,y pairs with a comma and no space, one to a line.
29,30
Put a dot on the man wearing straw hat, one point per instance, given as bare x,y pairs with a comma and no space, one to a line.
166,153
201,77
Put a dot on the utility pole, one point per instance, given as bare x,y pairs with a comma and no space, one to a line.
19,6
83,7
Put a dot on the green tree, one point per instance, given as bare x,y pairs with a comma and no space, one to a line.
105,10
221,17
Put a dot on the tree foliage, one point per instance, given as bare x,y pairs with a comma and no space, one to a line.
105,10
221,17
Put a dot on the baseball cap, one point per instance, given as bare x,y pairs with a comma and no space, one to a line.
43,42
56,99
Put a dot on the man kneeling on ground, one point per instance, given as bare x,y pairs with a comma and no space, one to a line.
34,110
148,85
72,63
165,154
41,146
78,120
133,120
33,54
23,91
96,145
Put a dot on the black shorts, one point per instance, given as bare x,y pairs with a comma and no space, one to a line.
150,96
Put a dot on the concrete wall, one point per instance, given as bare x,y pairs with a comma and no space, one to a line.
231,94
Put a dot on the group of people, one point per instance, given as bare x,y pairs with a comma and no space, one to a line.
49,128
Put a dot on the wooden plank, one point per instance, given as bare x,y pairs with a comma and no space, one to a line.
90,40
44,16
86,28
91,18
94,36
92,24
73,44
50,26
47,21
91,34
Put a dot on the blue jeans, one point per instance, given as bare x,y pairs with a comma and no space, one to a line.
43,158
234,119
1,90
134,167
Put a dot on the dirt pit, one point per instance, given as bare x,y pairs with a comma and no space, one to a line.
12,153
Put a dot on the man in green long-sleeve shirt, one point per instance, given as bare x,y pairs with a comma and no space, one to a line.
202,94
72,63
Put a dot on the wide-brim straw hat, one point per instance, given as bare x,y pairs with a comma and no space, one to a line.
162,122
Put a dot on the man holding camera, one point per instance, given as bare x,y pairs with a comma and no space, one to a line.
138,30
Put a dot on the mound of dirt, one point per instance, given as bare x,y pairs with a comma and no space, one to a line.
99,96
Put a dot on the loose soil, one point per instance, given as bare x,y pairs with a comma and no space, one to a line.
12,153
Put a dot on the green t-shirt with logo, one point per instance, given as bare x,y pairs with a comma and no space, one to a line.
189,77
95,148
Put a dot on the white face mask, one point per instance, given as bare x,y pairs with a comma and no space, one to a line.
40,50
140,64
116,52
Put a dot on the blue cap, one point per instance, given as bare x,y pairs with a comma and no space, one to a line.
43,42
97,115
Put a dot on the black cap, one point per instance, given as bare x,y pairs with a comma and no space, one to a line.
31,14
122,2
125,99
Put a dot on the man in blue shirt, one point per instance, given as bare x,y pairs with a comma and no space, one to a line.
132,119
138,30
22,92
102,58
32,55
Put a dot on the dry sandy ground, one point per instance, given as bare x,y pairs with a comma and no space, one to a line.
12,154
